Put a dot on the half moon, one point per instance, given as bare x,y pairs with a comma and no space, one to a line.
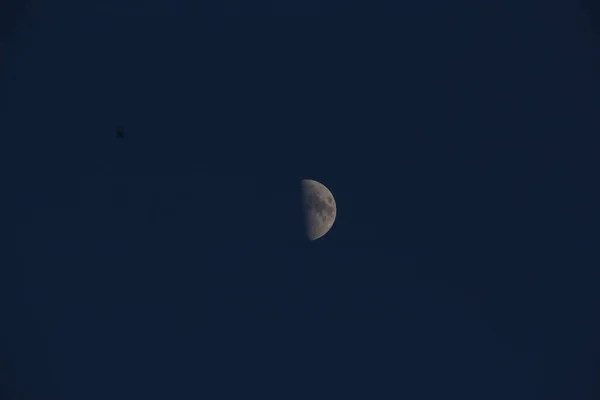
319,209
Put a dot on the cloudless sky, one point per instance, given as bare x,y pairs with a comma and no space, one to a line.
459,140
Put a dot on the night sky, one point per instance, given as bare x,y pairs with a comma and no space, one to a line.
460,140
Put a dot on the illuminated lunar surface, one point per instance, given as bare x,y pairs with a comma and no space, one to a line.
319,209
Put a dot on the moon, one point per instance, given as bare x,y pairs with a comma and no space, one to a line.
319,209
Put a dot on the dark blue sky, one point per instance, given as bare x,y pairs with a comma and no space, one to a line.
457,139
